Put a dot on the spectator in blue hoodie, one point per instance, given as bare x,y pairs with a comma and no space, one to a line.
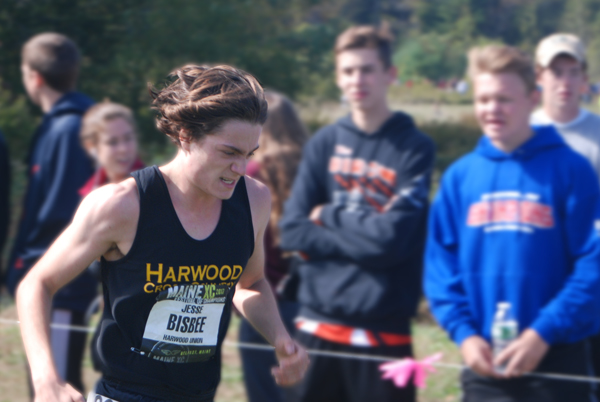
57,168
514,221
357,214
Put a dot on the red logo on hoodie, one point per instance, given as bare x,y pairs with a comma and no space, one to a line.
510,211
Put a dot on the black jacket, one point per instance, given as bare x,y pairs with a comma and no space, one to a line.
365,255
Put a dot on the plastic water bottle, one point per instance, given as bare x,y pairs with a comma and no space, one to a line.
505,329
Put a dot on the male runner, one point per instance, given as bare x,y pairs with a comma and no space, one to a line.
57,168
175,241
514,222
357,216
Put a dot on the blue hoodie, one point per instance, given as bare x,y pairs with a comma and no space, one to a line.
57,168
365,256
516,227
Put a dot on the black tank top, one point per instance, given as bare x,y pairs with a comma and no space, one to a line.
168,301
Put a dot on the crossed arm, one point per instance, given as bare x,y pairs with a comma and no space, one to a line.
372,238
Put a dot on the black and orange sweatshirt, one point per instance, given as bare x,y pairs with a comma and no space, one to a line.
364,255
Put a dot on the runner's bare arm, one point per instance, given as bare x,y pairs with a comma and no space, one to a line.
253,283
255,300
101,223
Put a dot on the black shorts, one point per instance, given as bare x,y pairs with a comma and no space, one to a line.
331,379
571,359
123,392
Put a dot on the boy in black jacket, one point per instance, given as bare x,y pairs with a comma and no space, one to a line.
57,168
357,216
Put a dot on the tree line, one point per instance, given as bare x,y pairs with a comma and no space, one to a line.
286,44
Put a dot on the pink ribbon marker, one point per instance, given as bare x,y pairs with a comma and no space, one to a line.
400,371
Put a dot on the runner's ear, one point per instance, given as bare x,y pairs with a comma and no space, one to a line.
185,140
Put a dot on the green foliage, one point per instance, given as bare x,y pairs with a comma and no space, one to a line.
430,55
583,19
16,122
129,43
435,56
446,16
287,44
450,27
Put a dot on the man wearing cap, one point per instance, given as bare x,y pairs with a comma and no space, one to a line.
561,69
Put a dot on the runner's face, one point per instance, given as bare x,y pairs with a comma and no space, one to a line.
503,106
218,161
117,148
362,78
562,82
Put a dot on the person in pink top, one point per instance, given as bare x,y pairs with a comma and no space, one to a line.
108,134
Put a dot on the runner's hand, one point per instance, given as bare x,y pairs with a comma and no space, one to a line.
477,354
57,392
293,362
523,354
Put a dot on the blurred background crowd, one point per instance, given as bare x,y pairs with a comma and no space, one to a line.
288,46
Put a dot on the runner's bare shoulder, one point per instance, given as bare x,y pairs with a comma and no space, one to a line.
112,211
260,202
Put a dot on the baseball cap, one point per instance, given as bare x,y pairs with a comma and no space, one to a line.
560,43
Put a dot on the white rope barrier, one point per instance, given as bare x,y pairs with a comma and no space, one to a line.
339,355
76,328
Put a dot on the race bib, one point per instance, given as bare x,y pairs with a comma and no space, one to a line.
183,326
93,397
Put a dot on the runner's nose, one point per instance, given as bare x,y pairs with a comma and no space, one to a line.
239,167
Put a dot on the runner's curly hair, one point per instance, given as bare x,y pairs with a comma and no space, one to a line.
203,98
